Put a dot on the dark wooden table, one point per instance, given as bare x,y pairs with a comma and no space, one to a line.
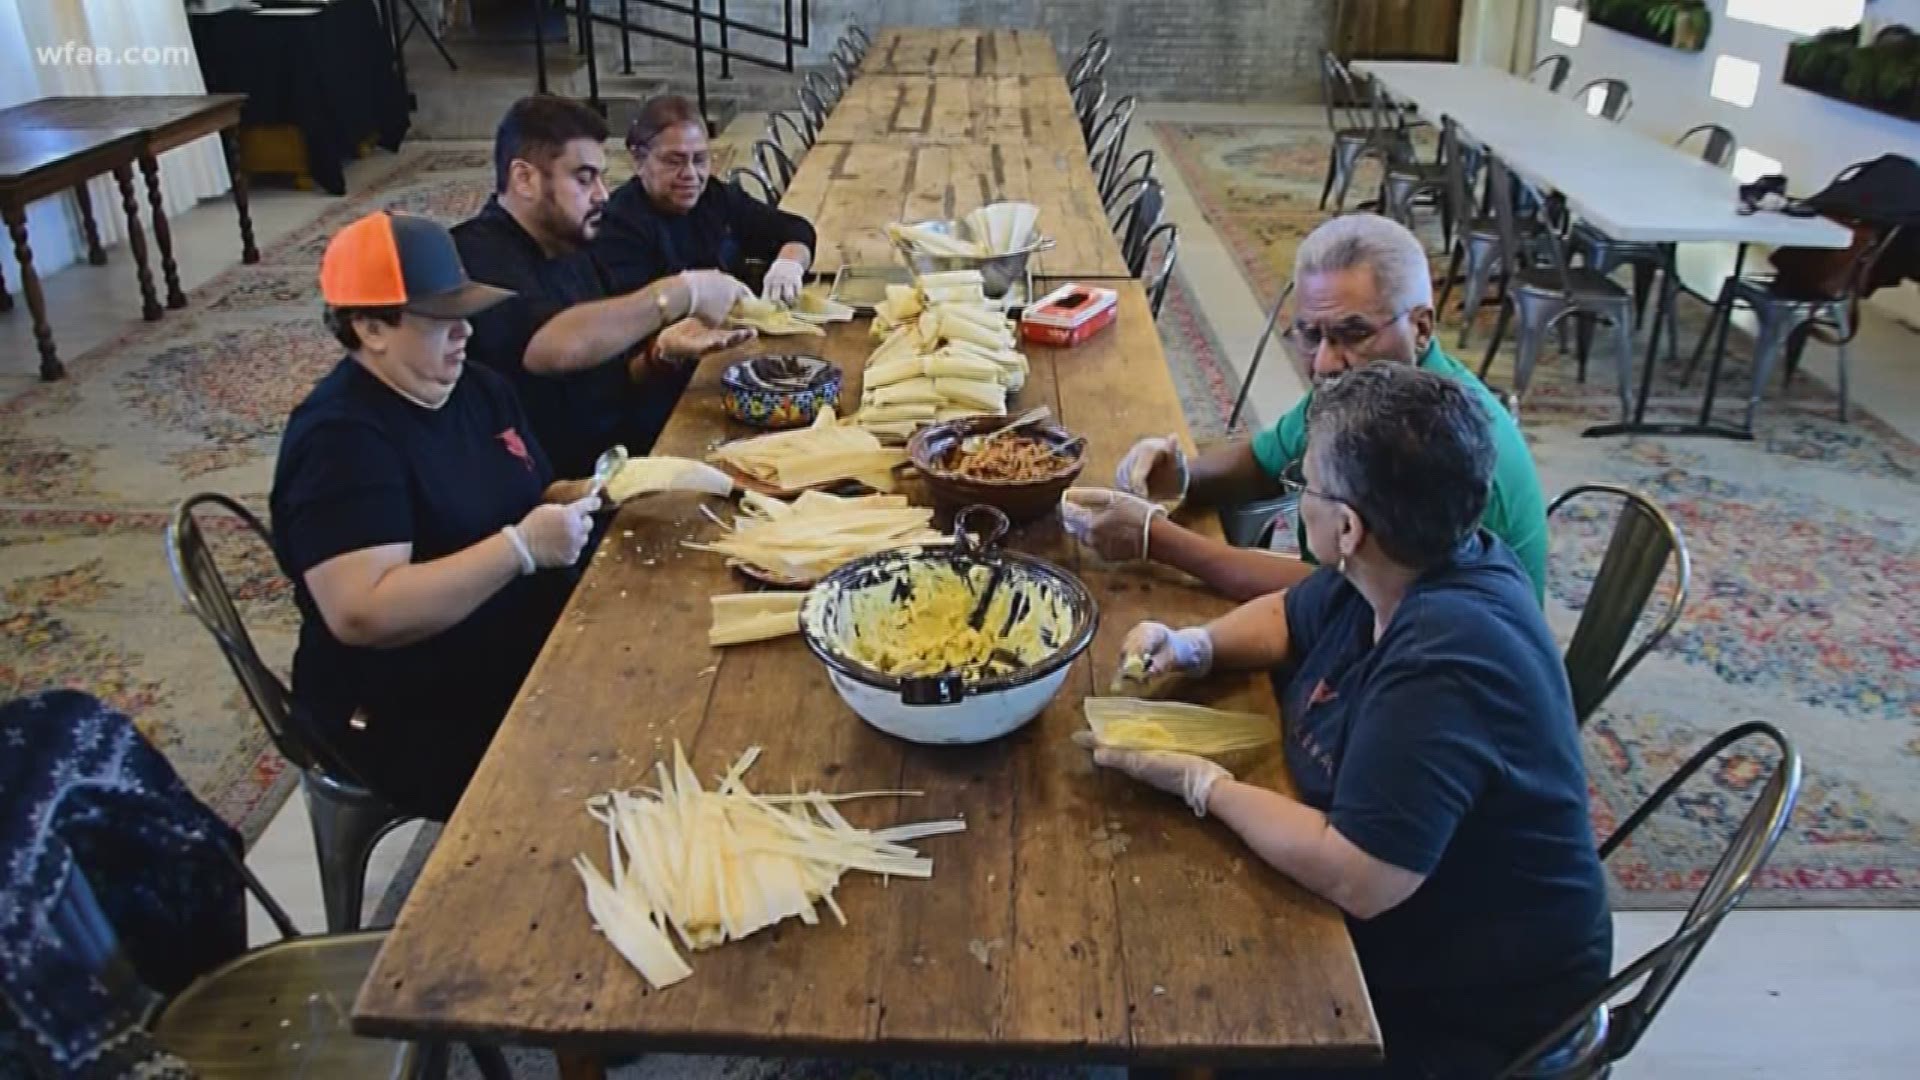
1081,916
36,163
165,121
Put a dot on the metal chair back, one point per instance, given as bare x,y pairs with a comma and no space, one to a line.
1663,966
858,32
1141,204
1506,190
1259,353
800,136
1717,144
1122,116
1137,167
1607,99
1644,542
1556,68
1088,98
1341,93
1090,64
774,166
753,185
1104,146
200,584
813,111
1161,275
1462,158
825,84
843,68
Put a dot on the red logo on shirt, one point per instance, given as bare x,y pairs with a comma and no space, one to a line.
1322,693
516,446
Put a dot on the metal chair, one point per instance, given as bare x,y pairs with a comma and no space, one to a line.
743,178
1610,1032
1787,318
1544,295
813,111
348,819
1604,254
1411,180
793,128
1090,64
826,84
1088,98
1358,130
1140,205
1122,117
1137,167
1556,68
1250,524
1606,99
1475,244
1104,146
774,166
1645,542
1157,281
859,35
845,66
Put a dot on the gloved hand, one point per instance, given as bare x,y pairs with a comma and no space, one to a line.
555,533
1187,653
1155,469
691,339
1112,523
783,281
1187,775
711,295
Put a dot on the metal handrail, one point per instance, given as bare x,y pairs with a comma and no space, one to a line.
793,32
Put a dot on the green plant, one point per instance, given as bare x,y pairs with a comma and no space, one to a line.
1882,74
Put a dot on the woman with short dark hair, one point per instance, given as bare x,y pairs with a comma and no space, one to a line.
1429,731
673,216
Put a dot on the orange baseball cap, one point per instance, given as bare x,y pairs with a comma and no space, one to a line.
402,260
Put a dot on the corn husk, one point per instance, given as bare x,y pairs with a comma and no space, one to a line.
647,475
739,618
1136,724
806,539
826,450
766,317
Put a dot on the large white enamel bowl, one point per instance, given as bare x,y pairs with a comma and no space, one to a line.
947,710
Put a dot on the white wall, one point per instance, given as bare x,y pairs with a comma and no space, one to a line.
1812,136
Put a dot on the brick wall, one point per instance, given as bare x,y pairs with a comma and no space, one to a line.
1163,50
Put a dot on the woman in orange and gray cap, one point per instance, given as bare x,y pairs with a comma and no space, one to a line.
430,547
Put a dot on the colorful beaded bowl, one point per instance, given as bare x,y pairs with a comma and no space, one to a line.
783,391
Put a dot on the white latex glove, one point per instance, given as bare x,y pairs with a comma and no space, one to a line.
1156,469
783,281
691,339
555,533
1187,775
711,295
1187,653
1112,523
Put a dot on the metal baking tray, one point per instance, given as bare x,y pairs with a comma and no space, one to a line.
864,287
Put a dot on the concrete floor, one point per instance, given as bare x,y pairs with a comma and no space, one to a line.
1808,993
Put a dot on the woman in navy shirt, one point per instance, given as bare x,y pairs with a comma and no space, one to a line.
430,547
1428,728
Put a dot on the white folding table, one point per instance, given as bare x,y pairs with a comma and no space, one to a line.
1626,184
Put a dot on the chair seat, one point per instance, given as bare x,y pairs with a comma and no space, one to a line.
1589,287
282,1010
1767,289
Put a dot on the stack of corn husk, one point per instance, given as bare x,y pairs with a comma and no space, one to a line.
944,353
992,230
804,540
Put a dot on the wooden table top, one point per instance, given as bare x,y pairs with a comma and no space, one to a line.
921,110
1080,917
921,50
27,153
853,191
163,120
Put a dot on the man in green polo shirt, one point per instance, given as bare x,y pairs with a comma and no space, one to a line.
1362,294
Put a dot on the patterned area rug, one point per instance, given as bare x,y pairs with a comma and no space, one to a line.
1805,599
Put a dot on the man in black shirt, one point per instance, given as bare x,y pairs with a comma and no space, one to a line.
430,547
672,216
595,363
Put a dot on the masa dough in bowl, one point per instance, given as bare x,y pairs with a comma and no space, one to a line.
913,622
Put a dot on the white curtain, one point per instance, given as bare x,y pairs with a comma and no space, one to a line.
153,54
1499,33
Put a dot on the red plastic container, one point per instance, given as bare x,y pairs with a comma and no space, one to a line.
1069,315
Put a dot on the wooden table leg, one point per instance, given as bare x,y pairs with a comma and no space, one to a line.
229,142
96,254
580,1067
16,218
162,232
150,308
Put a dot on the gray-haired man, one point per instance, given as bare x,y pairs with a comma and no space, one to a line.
1362,293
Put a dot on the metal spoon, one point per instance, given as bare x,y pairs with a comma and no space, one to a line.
605,467
973,444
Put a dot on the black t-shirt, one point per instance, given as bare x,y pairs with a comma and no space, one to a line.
577,415
1449,748
360,466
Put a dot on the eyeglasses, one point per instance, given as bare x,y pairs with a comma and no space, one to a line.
1347,335
700,162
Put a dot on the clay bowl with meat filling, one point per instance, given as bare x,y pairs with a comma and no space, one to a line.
1022,473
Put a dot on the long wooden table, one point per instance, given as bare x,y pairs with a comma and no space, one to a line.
852,191
934,51
1081,916
938,110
